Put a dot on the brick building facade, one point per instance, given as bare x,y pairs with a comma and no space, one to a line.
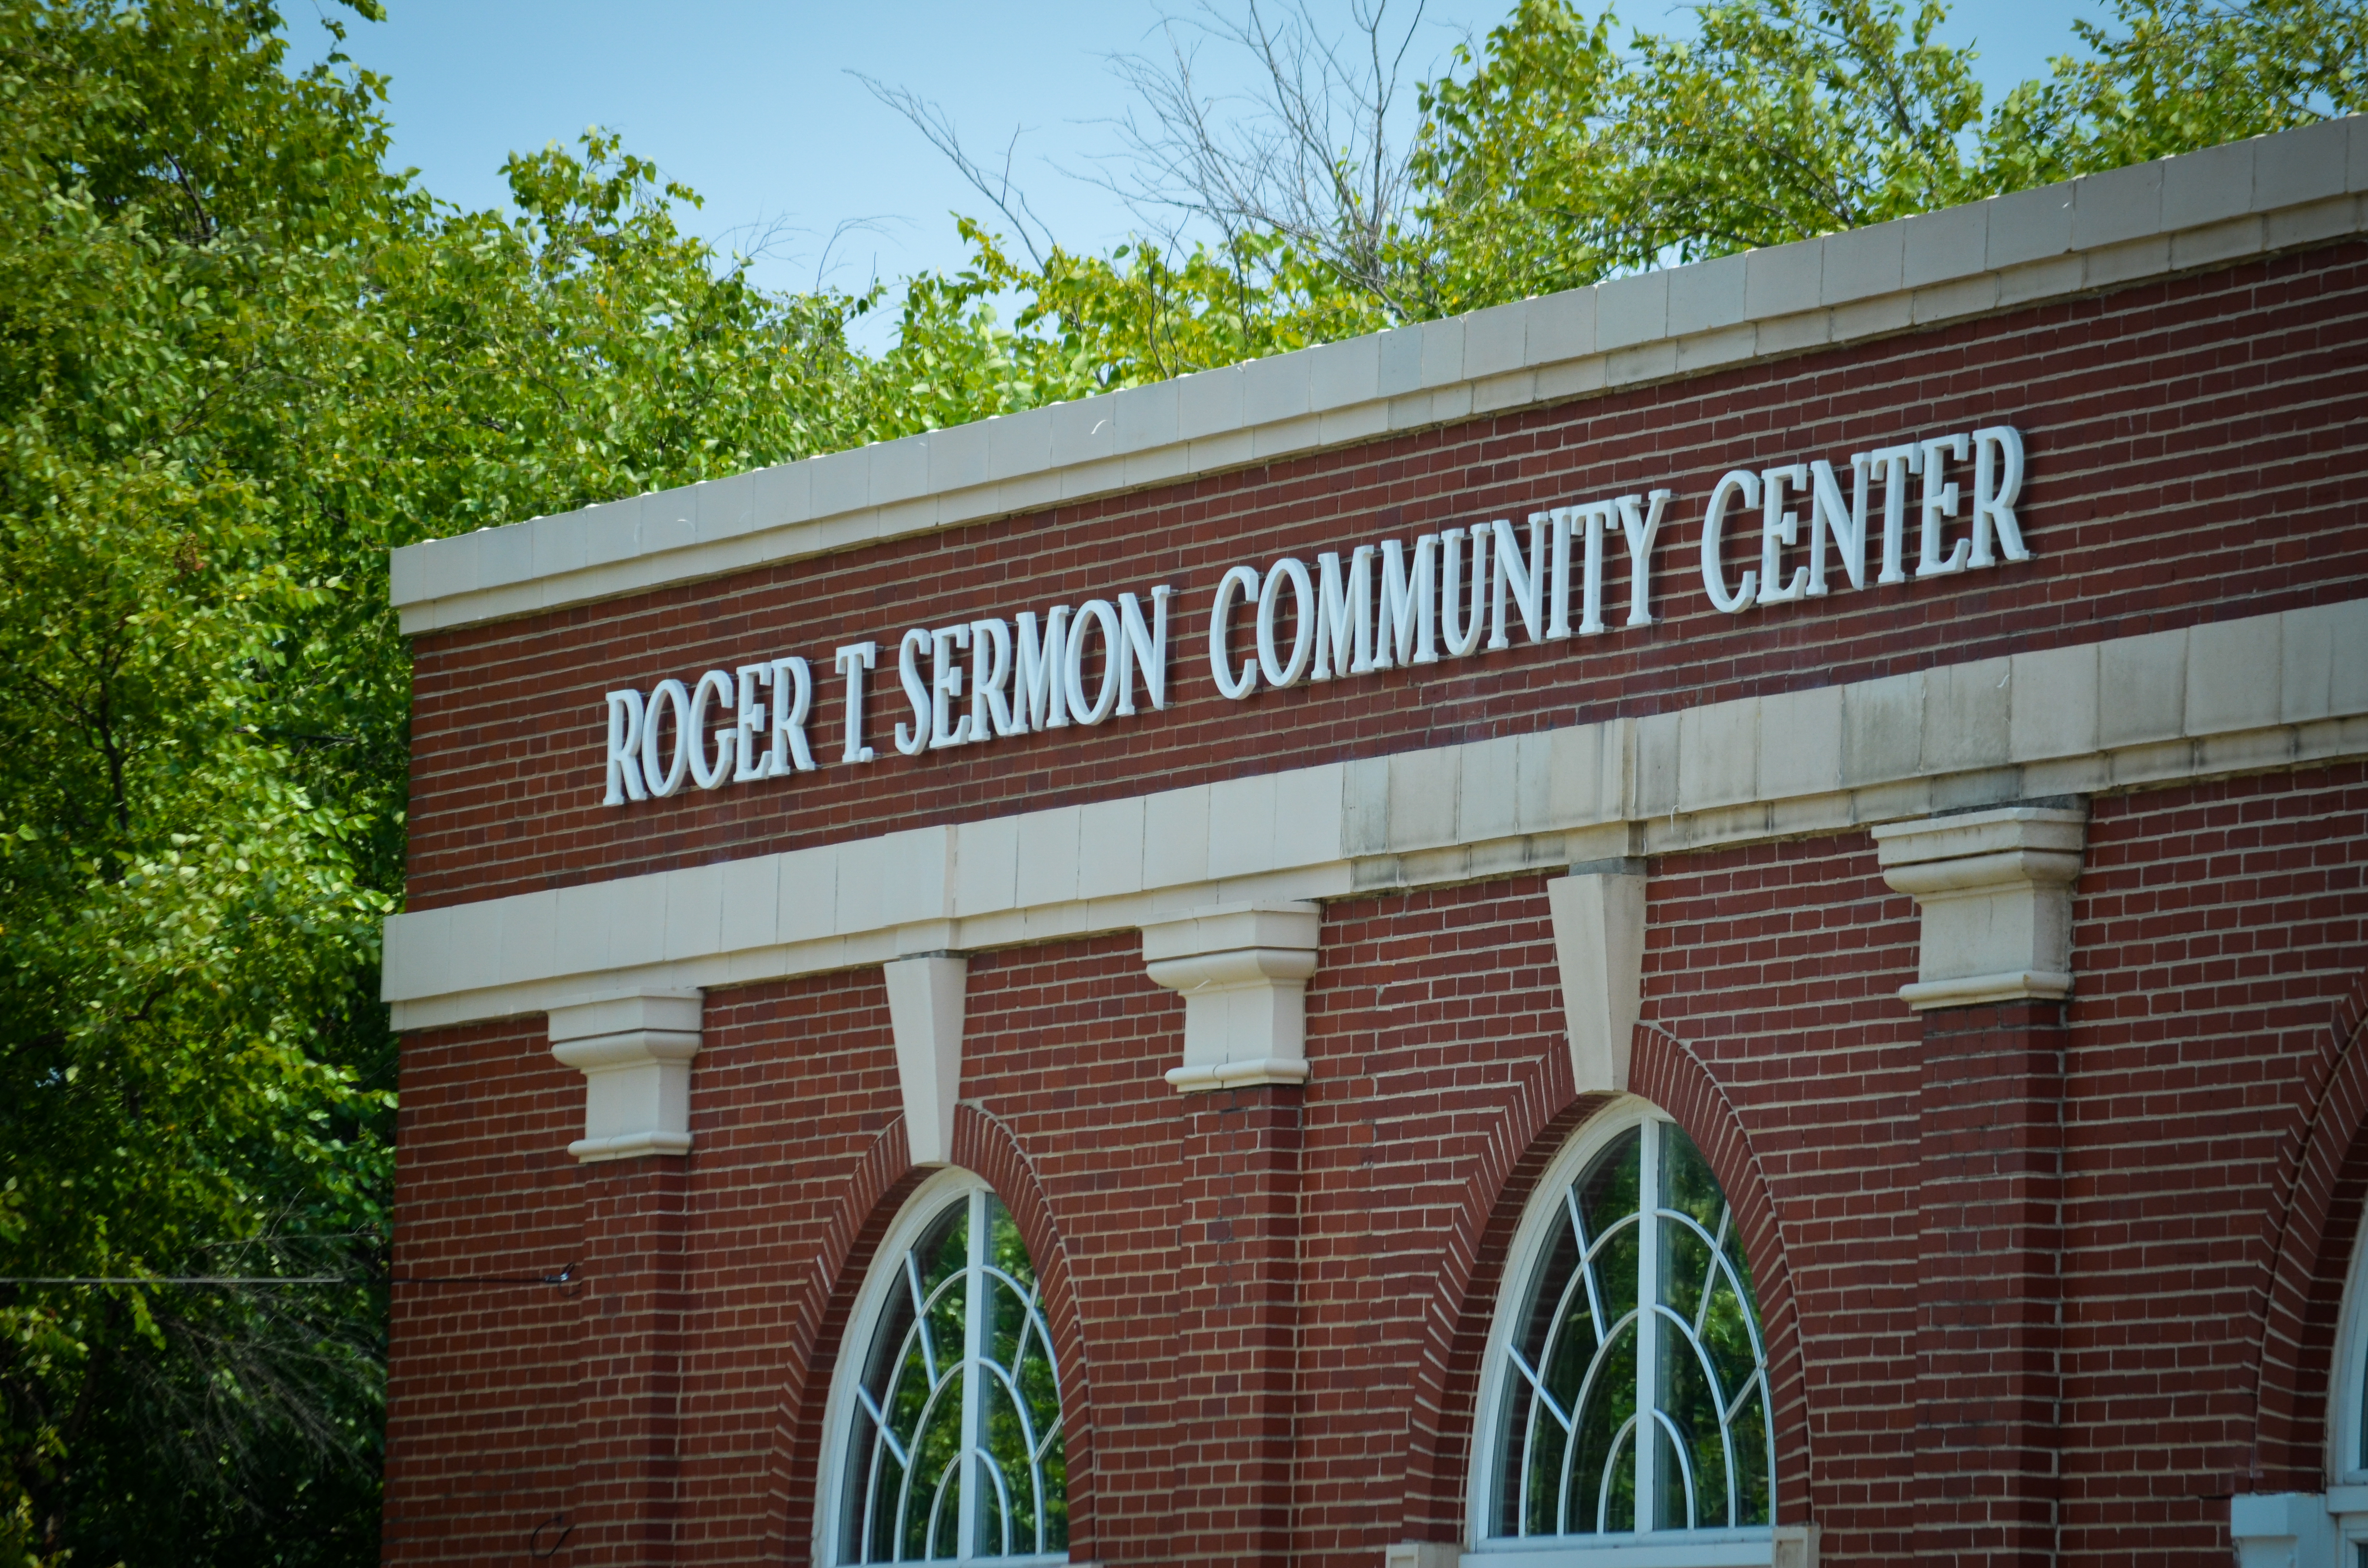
1976,961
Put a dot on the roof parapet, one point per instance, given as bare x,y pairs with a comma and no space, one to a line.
2201,209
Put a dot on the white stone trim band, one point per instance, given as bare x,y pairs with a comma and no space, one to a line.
2269,692
2281,1530
2211,208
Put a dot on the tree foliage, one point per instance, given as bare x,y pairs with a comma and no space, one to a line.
2177,75
240,357
1563,149
195,1079
1560,155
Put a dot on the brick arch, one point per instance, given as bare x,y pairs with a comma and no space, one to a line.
2321,1183
872,1197
1665,1070
1542,1110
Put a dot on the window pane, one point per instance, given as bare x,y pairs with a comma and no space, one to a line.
1749,1430
1679,1482
939,1533
942,1261
1604,1474
1532,1491
1607,1195
1569,1387
912,1376
1557,1339
1052,1468
1690,1401
995,1525
1709,1348
1006,1250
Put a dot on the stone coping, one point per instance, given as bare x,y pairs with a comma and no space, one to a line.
2205,209
2245,695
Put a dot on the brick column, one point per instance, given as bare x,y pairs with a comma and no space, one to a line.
1994,892
624,1484
635,1050
1989,1116
1237,1325
1242,970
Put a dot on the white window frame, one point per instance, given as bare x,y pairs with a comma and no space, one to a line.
2346,1462
885,1276
1753,1547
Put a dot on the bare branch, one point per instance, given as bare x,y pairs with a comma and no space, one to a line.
932,122
1307,154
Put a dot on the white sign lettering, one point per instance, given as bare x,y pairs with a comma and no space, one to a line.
1452,594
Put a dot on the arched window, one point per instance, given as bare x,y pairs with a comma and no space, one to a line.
1627,1383
948,1417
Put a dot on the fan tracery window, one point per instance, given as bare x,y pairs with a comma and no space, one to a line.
1630,1382
951,1422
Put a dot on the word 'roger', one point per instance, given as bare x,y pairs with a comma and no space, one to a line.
1455,592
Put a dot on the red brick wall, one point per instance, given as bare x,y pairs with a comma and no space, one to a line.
1780,966
484,1378
2196,453
2228,923
1268,1302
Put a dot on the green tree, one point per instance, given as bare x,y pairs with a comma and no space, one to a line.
192,1081
1553,158
238,359
583,348
2177,75
1558,155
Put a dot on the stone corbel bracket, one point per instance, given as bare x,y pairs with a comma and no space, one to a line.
1242,970
1599,927
1995,891
634,1051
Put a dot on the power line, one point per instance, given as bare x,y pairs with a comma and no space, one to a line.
175,1279
565,1276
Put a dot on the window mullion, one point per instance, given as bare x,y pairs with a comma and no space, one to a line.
1648,1324
974,1393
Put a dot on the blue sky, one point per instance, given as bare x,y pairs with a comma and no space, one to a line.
751,104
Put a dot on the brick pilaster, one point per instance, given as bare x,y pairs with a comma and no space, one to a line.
625,1481
1237,1325
1990,1123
